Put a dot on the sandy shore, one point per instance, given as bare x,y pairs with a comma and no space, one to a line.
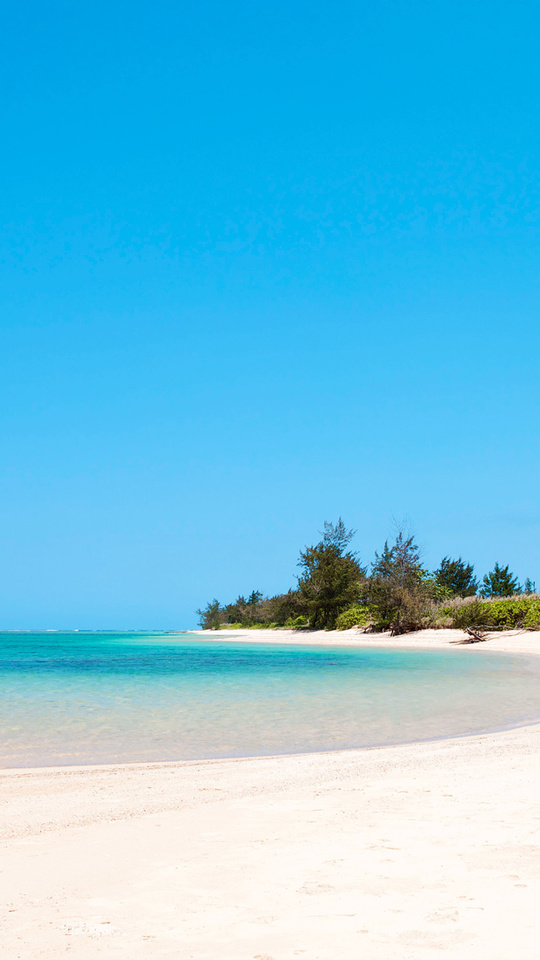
405,852
510,641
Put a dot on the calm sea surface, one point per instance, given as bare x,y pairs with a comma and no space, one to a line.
100,697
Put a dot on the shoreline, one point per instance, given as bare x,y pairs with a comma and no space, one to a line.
406,851
504,641
148,765
413,851
518,643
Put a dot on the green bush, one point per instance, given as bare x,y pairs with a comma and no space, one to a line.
359,615
500,614
295,623
469,614
247,625
532,617
507,613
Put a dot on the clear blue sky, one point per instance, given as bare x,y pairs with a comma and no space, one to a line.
262,265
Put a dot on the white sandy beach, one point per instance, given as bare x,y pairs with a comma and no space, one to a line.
408,852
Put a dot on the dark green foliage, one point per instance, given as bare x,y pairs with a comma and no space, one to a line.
255,611
282,608
210,617
499,582
244,611
399,587
261,611
331,578
334,591
456,577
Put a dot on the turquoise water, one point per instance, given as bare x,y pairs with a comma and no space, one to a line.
93,698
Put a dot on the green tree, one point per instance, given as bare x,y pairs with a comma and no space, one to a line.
331,577
399,587
282,608
246,612
529,586
457,577
210,617
499,582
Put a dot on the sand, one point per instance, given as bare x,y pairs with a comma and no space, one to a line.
409,852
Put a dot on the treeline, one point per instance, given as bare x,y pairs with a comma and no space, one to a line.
396,593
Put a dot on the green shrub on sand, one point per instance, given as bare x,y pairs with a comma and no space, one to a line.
358,615
520,612
296,623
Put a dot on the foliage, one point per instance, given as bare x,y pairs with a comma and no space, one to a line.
531,620
331,577
497,613
467,614
296,623
456,577
334,591
399,587
357,615
499,582
210,617
282,607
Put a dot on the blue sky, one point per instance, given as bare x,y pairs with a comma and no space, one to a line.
262,265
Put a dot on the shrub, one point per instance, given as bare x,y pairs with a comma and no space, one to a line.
498,613
399,588
358,615
532,617
469,614
296,623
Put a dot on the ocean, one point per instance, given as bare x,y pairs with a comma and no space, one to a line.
74,698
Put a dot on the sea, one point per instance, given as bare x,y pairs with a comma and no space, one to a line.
104,697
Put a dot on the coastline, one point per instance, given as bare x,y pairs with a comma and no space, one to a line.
408,851
503,641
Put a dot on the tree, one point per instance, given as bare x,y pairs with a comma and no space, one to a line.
456,576
210,618
247,612
331,577
259,610
282,607
399,586
529,586
499,582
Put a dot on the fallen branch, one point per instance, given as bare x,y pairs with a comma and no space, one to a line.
474,636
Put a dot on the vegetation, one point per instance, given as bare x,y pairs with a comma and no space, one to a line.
334,591
357,615
456,578
499,582
498,613
331,577
211,616
399,589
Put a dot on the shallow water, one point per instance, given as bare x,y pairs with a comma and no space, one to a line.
96,697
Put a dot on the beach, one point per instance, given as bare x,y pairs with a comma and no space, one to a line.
412,851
